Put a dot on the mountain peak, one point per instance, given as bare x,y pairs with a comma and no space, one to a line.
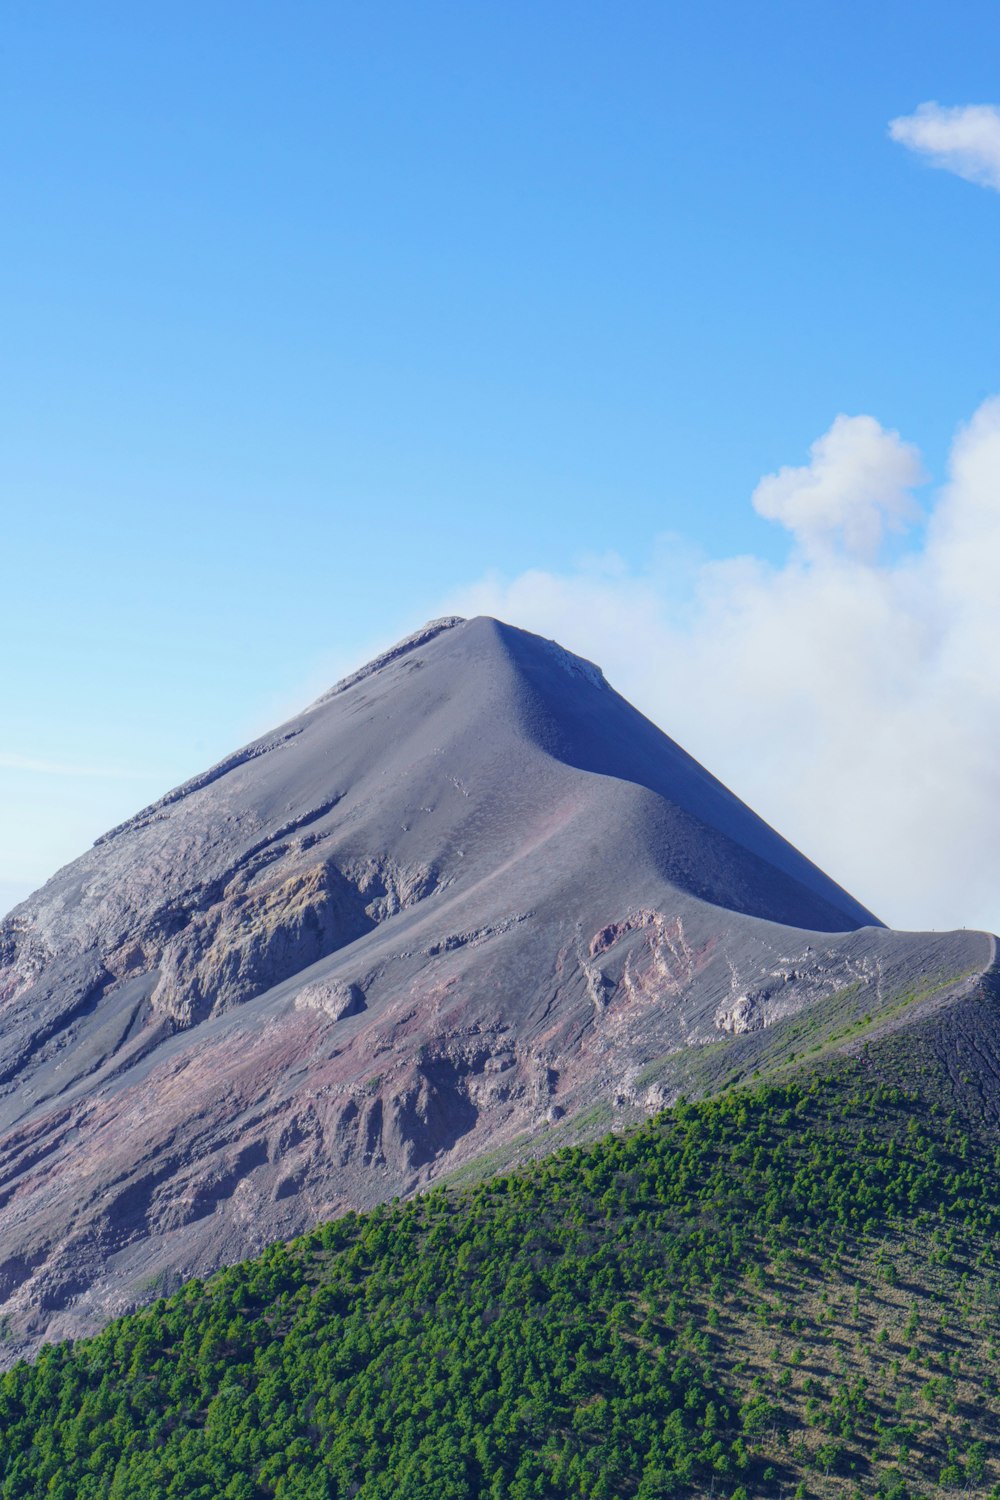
402,648
468,892
479,628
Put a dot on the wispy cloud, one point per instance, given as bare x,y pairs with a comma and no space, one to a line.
36,767
964,139
851,695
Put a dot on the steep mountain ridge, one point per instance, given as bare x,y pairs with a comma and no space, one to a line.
464,898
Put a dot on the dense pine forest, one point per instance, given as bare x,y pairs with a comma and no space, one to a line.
789,1290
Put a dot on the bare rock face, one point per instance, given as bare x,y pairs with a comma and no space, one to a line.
744,1015
251,939
470,902
336,999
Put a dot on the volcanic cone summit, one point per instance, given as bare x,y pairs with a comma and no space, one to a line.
467,894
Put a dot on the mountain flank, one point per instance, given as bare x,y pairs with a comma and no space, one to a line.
468,907
789,1289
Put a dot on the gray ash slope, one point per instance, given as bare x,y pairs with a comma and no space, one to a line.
468,902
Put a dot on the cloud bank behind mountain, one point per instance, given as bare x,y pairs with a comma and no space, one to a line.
852,694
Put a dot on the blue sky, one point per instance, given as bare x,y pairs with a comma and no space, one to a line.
315,317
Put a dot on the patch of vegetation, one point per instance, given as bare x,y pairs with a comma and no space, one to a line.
790,1290
811,1035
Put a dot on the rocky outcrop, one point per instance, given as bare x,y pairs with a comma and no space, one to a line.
337,999
251,940
746,1014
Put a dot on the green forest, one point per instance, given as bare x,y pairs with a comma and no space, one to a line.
789,1290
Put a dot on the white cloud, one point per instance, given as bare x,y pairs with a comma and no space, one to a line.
964,140
855,488
853,699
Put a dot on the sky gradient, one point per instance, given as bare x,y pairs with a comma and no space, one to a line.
319,320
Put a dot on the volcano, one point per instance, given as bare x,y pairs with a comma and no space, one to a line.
470,905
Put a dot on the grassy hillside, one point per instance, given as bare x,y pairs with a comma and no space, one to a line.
788,1290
